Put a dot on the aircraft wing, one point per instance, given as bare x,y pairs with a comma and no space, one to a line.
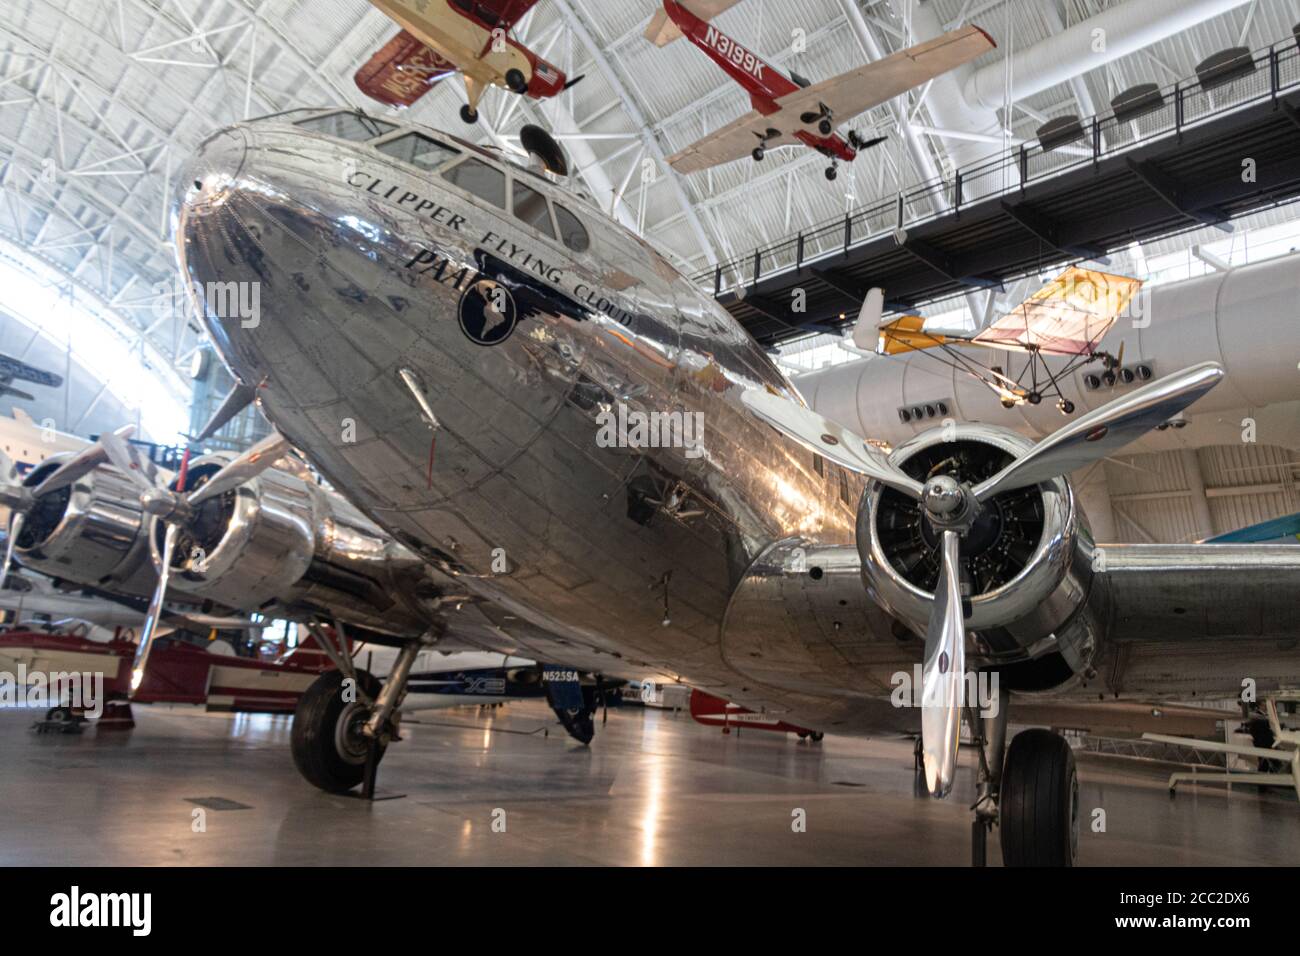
402,71
733,141
507,12
1068,316
1278,531
663,31
857,91
12,368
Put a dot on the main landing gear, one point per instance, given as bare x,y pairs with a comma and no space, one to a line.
346,719
832,171
1031,793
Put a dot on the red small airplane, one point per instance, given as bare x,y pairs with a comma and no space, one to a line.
178,673
716,712
789,110
470,37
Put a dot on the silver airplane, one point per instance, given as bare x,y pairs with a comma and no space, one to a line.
505,379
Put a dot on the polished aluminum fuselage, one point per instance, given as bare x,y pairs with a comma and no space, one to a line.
631,555
686,563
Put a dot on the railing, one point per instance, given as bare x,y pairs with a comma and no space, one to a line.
1186,104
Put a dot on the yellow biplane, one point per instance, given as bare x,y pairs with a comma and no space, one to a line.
1066,317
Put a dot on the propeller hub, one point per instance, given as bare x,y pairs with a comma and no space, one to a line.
165,504
943,498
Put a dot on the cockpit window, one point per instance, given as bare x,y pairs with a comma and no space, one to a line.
531,207
419,151
573,232
349,126
479,179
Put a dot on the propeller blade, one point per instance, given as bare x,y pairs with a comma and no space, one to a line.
244,468
575,81
130,461
1104,431
239,398
943,674
155,609
828,439
81,464
15,529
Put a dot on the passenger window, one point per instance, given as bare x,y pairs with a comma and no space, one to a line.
419,151
479,179
349,126
531,207
572,231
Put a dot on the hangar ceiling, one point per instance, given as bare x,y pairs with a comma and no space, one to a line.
99,100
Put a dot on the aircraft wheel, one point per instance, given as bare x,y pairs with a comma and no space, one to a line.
759,153
328,746
803,735
825,127
60,715
1008,403
1039,802
832,173
517,82
816,736
1066,406
1034,398
469,114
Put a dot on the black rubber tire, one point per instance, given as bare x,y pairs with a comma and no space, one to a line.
832,173
816,736
758,154
312,740
825,127
1038,808
469,116
517,82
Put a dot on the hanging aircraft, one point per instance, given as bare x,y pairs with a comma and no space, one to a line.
12,369
440,38
515,361
791,110
1066,317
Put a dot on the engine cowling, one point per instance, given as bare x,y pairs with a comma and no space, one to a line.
92,532
1026,560
282,542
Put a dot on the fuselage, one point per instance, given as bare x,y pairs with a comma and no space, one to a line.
512,384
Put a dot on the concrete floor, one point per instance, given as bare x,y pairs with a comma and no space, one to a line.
653,789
